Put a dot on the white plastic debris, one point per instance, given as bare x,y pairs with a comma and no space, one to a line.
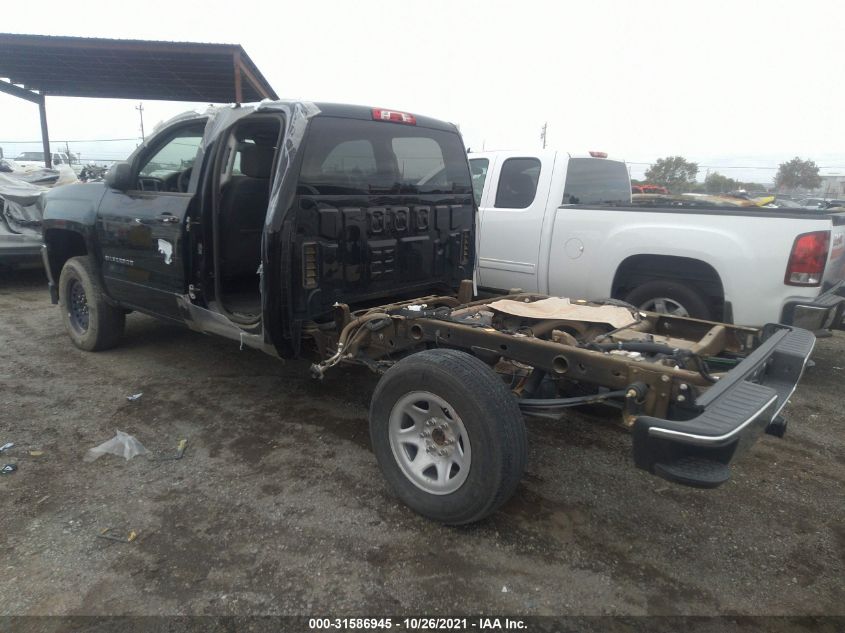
134,396
122,445
504,589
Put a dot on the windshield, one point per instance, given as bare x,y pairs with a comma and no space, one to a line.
596,181
350,156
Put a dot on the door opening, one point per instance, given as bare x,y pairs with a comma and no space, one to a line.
243,195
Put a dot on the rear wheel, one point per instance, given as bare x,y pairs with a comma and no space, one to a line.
448,436
92,323
670,297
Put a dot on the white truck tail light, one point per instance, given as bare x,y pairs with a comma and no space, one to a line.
807,259
393,116
598,154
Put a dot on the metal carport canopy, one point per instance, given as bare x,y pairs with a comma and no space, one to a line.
34,66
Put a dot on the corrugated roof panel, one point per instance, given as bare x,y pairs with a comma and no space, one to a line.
131,69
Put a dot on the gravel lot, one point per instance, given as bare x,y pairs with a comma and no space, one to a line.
278,506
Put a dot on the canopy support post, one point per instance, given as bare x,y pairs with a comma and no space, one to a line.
45,135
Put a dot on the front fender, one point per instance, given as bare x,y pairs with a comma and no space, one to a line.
73,207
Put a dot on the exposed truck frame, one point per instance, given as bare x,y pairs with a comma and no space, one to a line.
459,374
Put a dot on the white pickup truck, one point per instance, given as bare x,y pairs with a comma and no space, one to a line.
565,225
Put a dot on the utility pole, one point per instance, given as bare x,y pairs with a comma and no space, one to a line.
140,109
543,133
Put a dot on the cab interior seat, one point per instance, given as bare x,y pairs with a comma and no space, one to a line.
244,198
243,208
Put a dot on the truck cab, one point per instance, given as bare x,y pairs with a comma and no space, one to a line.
252,222
515,189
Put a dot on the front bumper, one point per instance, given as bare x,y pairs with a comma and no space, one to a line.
821,313
730,415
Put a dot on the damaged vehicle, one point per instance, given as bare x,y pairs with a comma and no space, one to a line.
347,235
20,219
21,209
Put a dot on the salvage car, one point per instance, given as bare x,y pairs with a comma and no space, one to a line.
20,221
20,211
348,235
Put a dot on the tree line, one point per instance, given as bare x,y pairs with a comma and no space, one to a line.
680,175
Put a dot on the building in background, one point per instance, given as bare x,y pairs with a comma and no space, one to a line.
833,186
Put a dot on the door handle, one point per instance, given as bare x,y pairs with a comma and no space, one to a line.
167,218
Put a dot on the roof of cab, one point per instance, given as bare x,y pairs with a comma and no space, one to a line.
365,113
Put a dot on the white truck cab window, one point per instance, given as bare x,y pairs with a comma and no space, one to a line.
517,183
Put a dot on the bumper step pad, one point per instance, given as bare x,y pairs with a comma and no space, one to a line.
732,414
694,471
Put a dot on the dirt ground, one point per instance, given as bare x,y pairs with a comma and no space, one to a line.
278,506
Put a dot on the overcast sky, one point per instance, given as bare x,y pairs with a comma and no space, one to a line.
714,81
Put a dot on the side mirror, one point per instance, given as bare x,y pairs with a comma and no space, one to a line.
119,176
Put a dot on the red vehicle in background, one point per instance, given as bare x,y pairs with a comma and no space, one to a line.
649,189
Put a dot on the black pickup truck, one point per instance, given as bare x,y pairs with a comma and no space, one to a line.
348,235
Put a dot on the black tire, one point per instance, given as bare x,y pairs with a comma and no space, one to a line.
488,413
690,298
92,323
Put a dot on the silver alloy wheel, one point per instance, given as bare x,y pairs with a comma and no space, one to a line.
429,442
665,305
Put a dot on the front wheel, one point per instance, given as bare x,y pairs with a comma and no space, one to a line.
92,323
448,436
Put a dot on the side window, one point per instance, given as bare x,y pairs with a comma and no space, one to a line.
518,183
478,169
176,155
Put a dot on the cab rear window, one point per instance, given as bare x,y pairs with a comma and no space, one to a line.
596,181
350,156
